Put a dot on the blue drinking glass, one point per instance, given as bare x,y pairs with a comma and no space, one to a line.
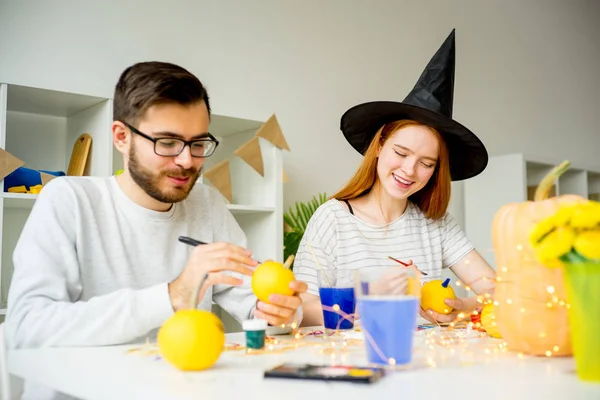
336,291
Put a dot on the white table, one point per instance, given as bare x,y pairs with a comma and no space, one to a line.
114,373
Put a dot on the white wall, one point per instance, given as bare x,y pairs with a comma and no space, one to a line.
527,70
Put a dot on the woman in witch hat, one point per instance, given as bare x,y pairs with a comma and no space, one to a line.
395,206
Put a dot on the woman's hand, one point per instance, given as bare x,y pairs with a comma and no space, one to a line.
476,273
460,305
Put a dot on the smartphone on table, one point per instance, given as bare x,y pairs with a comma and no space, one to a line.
341,373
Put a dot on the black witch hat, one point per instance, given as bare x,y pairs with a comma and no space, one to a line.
430,102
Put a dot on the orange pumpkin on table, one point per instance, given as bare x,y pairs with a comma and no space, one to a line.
530,298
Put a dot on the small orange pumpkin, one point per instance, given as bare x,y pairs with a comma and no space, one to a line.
530,298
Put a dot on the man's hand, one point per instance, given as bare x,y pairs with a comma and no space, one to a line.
281,309
212,259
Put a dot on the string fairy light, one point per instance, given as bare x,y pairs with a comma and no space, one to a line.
551,302
510,276
459,340
433,349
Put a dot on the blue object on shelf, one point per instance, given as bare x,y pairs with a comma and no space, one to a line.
27,177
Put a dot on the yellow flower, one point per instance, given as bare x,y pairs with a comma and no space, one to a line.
564,214
572,227
586,215
587,244
562,217
540,230
558,243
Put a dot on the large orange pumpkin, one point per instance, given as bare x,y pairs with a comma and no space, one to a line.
530,297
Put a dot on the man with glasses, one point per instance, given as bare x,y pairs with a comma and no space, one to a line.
98,261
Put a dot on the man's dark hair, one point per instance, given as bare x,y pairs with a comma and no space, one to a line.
145,84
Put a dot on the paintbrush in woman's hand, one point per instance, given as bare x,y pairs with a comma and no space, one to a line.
406,265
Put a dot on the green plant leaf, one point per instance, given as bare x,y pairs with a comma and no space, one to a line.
298,217
305,215
288,220
292,242
294,218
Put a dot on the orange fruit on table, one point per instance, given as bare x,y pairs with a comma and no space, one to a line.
272,277
192,340
433,294
488,321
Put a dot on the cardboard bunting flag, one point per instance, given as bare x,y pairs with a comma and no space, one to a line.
271,131
220,174
220,178
8,163
46,178
251,153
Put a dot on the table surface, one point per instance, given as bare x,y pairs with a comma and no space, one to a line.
470,368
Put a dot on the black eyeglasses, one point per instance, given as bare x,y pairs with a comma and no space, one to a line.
171,147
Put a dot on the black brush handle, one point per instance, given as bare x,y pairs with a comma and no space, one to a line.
194,242
190,241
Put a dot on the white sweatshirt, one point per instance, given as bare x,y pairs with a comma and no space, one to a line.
92,266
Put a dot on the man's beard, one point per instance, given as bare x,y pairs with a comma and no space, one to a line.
149,182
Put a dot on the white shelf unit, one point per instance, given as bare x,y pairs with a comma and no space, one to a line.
513,178
257,201
40,127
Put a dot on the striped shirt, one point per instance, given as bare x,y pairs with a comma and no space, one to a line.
340,240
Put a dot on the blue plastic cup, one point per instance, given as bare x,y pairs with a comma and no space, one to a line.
388,303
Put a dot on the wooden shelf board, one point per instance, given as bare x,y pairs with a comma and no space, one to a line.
18,200
239,209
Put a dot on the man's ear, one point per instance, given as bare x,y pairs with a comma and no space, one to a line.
121,136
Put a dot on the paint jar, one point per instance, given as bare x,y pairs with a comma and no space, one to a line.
255,333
